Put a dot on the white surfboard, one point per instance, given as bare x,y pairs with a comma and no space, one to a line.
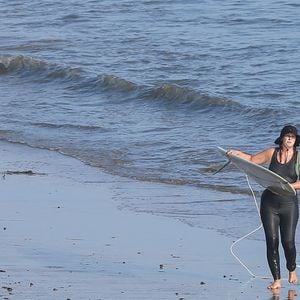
264,177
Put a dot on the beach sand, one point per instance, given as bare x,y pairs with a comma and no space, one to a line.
66,235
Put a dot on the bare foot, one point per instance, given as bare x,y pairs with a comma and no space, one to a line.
275,285
293,277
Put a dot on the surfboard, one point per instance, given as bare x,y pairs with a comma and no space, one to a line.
263,176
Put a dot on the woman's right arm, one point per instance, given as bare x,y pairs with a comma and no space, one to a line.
258,158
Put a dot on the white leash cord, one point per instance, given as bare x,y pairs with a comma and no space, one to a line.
248,234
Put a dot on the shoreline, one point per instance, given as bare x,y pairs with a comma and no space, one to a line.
66,236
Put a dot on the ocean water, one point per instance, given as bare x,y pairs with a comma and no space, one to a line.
148,89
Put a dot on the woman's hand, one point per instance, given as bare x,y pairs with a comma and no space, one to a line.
296,185
239,153
234,152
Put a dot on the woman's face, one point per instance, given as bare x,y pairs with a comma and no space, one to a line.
289,140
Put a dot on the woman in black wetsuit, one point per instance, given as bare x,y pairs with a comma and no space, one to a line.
280,213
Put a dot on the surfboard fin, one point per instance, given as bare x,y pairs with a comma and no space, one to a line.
225,165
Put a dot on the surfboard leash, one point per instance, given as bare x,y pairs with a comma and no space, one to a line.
247,235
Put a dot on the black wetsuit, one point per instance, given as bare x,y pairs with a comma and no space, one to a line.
278,212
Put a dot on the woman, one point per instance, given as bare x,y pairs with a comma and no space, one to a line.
279,213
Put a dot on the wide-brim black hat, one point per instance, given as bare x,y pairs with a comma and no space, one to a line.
288,129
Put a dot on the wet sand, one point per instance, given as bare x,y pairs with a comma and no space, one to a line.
65,235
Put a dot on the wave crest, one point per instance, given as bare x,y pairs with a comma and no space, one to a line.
115,83
184,95
25,65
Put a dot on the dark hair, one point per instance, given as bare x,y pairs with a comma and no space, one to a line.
285,130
